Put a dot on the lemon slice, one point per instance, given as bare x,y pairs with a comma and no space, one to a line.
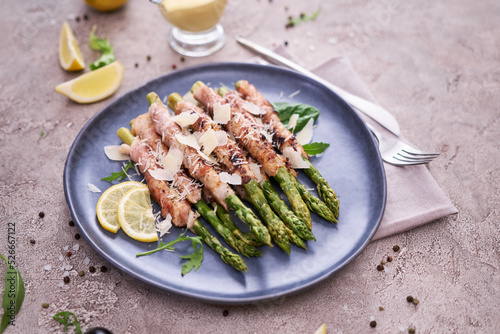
135,215
107,206
70,56
321,329
93,86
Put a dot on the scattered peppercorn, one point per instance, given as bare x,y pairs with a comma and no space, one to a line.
81,273
389,259
32,241
85,17
225,313
411,330
396,248
380,267
136,65
373,324
409,299
286,43
415,301
92,269
71,223
174,66
45,305
68,254
41,214
78,19
302,15
382,262
66,279
380,308
148,58
77,236
183,59
104,269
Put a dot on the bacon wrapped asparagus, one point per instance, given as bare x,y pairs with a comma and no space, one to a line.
233,158
201,170
247,133
283,138
172,203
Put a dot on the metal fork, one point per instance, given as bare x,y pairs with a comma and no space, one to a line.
395,152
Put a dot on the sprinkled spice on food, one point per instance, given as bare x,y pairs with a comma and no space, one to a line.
389,259
415,301
148,58
380,308
68,254
411,330
81,273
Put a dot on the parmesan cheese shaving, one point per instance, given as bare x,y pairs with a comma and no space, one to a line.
292,122
164,226
161,174
208,141
304,136
185,119
188,97
230,178
113,153
295,158
93,188
188,140
256,170
253,108
173,160
124,149
221,137
207,158
222,113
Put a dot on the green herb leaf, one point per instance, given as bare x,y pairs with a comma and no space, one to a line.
195,258
287,109
63,318
13,295
295,21
118,175
315,148
103,45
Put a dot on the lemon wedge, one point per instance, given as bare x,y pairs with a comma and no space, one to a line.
135,215
107,205
105,5
94,86
70,56
321,329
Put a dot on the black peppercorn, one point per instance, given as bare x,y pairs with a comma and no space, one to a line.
373,324
396,248
104,269
92,269
225,313
71,223
409,299
389,259
66,279
380,267
32,241
77,236
41,214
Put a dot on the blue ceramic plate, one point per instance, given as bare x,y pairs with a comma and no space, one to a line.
351,165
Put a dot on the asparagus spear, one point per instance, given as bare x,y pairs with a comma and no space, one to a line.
249,136
228,236
234,160
206,173
225,218
284,138
315,204
230,258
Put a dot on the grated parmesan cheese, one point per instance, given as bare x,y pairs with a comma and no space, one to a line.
173,160
256,170
222,113
163,226
221,137
253,108
161,174
93,188
208,141
113,153
188,97
185,119
188,140
292,122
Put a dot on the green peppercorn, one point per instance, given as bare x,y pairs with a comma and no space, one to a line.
45,305
81,273
411,330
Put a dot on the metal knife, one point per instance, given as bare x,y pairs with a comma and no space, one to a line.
375,112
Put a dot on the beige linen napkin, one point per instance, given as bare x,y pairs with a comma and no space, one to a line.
413,196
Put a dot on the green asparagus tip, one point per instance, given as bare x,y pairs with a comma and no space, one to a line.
173,99
131,122
153,98
125,135
237,84
222,91
196,85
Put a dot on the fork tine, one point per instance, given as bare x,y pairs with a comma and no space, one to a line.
412,160
417,152
416,157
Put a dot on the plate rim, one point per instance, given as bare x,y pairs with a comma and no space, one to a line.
197,296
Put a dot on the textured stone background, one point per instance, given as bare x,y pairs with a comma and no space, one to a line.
435,65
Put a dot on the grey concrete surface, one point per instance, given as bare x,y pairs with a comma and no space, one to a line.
435,65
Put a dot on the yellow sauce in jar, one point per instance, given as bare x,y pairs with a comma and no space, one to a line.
193,15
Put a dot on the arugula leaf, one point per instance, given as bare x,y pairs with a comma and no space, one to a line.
295,21
118,175
13,295
103,45
63,318
315,148
195,258
287,109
